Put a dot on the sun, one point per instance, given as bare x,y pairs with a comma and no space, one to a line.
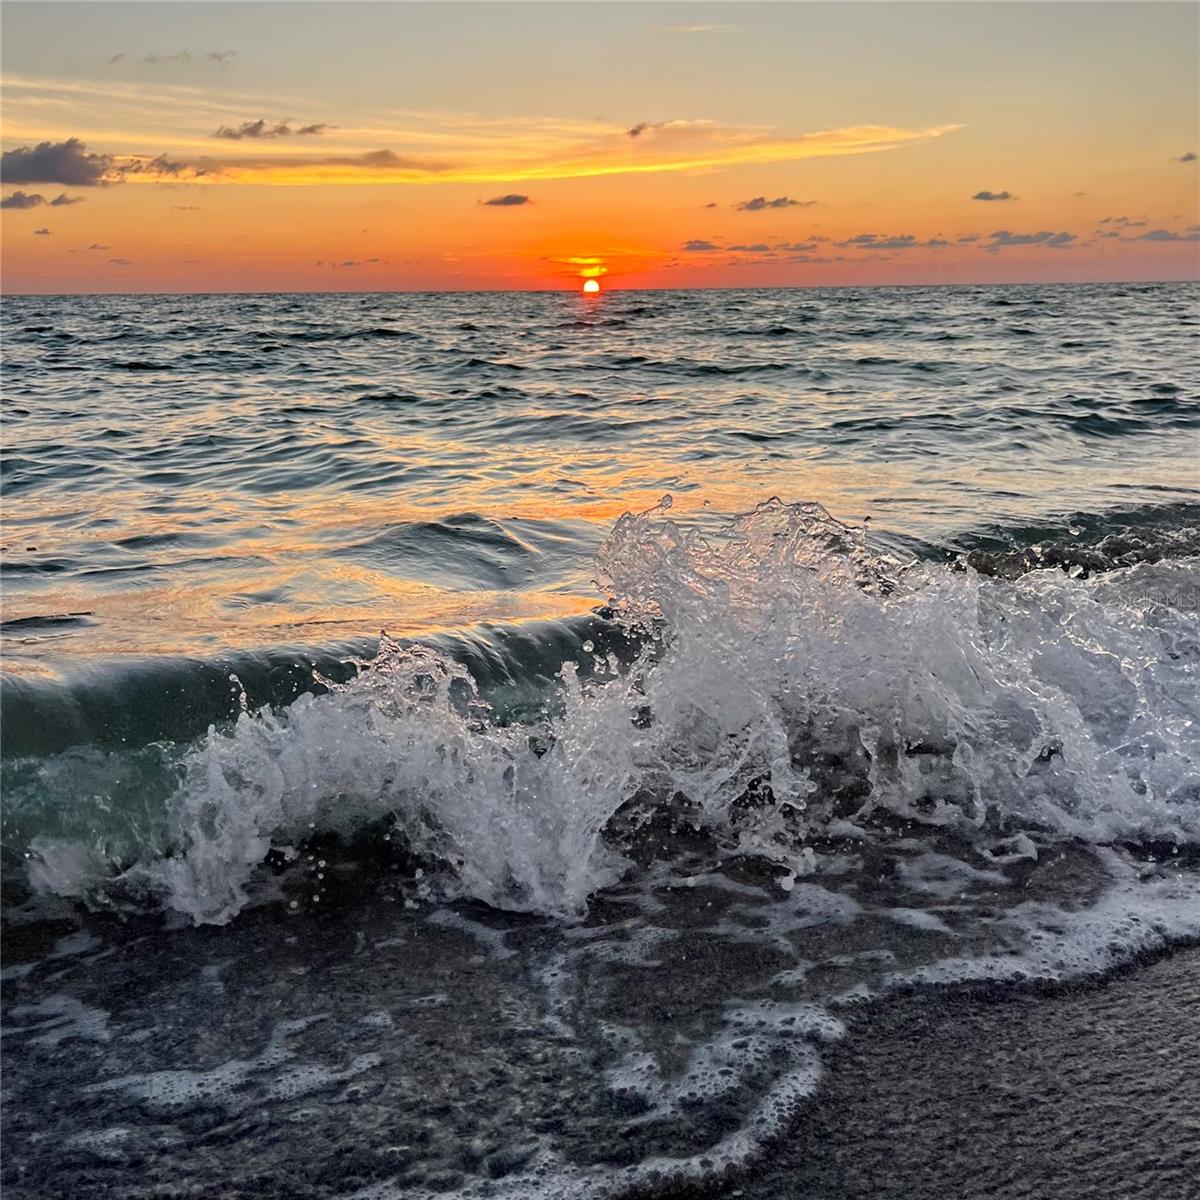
591,286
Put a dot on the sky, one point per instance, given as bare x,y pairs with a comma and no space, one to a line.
172,147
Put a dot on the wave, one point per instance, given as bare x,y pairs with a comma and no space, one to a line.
772,682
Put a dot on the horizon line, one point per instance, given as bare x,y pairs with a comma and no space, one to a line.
574,291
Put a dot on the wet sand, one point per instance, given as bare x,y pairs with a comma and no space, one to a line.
1090,1092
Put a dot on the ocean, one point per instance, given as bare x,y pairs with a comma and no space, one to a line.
526,744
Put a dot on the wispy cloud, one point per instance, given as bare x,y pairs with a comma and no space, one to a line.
508,200
880,241
1003,238
261,129
135,121
42,232
1190,156
759,203
1168,235
993,196
699,246
697,29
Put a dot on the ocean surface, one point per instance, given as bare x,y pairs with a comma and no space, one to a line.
509,744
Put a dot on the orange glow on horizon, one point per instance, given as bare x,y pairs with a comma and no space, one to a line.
591,286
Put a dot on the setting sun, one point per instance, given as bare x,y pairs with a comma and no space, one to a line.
591,286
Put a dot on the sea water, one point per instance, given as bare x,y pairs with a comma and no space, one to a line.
494,745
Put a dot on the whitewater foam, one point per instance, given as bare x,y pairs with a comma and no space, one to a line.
791,683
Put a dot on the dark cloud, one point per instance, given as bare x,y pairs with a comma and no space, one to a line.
967,238
183,56
97,246
638,129
761,202
120,262
797,247
1168,235
757,248
510,200
993,196
1124,222
260,129
1190,156
1044,238
699,246
55,162
161,165
62,200
711,204
936,243
880,241
220,56
115,58
22,200
42,232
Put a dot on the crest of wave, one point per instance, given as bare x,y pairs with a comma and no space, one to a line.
790,678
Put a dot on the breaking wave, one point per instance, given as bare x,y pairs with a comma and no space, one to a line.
782,682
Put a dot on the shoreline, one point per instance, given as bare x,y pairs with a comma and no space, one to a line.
1083,1090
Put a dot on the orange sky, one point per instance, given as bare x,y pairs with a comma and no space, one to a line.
197,147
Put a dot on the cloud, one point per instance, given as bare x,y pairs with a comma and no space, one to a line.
186,208
509,151
638,129
797,247
62,200
993,196
1168,235
22,200
120,262
1124,222
509,200
880,241
1190,156
183,56
761,202
42,232
757,248
56,162
1044,238
220,56
697,28
699,246
159,166
116,58
711,204
260,129
97,246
